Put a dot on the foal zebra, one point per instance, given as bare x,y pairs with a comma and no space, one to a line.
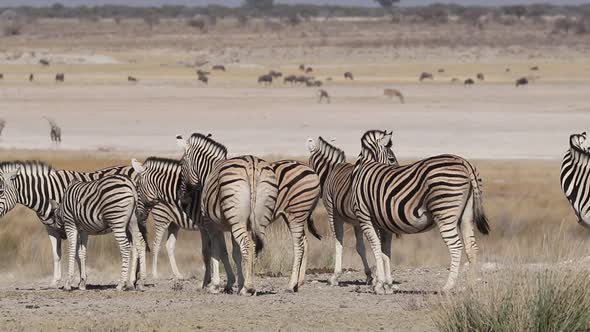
574,177
442,190
238,195
99,207
55,132
37,183
336,182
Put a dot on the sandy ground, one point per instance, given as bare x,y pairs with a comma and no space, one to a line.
170,306
483,121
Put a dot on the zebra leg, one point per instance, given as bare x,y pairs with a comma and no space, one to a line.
206,252
303,267
138,251
72,234
467,231
371,235
448,227
160,229
55,239
231,277
82,255
243,238
386,258
125,249
361,251
170,246
297,228
237,256
337,227
216,254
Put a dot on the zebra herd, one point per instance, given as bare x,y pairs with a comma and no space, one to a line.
207,191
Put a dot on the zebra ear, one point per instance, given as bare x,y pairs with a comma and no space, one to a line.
137,166
311,146
181,142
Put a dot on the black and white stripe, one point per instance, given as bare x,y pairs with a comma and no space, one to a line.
575,177
99,207
441,191
336,182
238,195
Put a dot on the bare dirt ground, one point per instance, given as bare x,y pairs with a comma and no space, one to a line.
167,305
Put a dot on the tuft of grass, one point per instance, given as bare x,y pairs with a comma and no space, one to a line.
520,301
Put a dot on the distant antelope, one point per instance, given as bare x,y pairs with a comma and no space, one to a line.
469,81
44,62
348,76
323,94
289,79
2,124
394,93
55,132
131,79
266,79
218,67
275,74
522,81
535,68
480,76
426,75
59,77
302,67
31,77
203,78
308,70
441,70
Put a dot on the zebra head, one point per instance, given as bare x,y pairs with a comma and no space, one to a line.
579,142
200,154
324,156
8,191
376,146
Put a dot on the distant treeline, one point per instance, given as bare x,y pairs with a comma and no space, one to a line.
426,12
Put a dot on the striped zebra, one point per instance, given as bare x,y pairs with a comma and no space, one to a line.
336,181
574,177
95,208
37,183
238,195
442,190
298,194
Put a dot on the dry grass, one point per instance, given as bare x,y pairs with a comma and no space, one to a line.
530,219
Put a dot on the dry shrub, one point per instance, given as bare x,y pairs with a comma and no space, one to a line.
520,301
12,28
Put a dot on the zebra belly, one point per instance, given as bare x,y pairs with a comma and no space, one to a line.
95,228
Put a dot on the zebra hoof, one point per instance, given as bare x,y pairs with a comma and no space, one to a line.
139,286
333,281
120,287
213,289
82,285
228,290
247,291
379,288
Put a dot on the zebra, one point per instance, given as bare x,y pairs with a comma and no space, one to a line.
266,79
59,77
336,181
218,67
425,75
38,183
480,76
299,191
468,81
574,176
442,190
2,125
95,208
323,94
348,76
394,93
521,81
132,79
55,131
238,195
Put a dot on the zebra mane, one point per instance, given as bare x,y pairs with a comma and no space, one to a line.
196,137
328,149
576,141
7,166
160,160
370,141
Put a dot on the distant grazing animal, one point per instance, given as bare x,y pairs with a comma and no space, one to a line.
348,76
455,80
98,207
2,124
323,94
302,67
308,70
44,62
59,77
218,67
426,75
131,79
275,74
441,70
301,79
507,70
480,76
522,81
202,72
55,132
469,81
31,77
266,79
289,79
203,78
1,76
535,68
312,83
394,93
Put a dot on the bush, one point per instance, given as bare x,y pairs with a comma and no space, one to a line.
197,23
13,28
523,301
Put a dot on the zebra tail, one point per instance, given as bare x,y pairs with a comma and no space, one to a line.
142,225
310,225
479,217
255,231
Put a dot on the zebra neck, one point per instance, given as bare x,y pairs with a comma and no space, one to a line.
36,191
579,156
